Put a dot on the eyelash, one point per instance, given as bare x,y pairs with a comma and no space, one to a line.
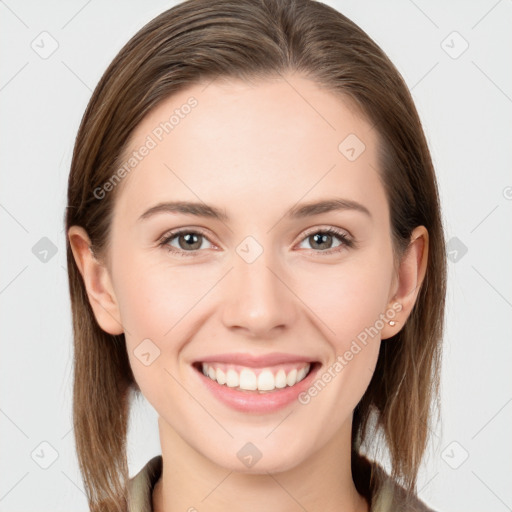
344,238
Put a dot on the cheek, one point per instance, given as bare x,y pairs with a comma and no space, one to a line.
159,306
154,310
154,298
350,309
347,299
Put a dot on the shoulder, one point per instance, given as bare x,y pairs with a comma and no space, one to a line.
140,487
382,492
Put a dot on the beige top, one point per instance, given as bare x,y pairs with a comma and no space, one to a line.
385,497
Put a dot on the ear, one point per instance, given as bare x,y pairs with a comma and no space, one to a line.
97,282
407,285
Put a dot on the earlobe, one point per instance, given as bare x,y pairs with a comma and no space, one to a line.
410,277
97,282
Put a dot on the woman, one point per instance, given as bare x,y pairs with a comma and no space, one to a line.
254,245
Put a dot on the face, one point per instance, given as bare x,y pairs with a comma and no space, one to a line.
251,280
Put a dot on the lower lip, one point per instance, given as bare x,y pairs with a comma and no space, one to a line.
253,401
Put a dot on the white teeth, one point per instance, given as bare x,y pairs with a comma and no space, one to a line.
280,379
232,379
266,381
247,379
291,378
221,377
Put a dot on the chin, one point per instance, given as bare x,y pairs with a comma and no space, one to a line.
248,458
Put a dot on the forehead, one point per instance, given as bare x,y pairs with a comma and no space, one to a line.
239,142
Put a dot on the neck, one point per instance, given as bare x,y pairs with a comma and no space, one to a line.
192,482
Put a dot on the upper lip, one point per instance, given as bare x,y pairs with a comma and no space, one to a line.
256,361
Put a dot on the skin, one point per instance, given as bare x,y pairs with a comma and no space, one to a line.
255,150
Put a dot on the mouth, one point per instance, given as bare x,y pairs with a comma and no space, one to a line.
256,384
256,380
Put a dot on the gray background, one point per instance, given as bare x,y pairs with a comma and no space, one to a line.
464,97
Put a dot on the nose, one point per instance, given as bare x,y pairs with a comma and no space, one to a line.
258,300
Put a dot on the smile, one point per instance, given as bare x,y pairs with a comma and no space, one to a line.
256,385
256,379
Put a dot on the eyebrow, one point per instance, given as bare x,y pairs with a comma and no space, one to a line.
297,212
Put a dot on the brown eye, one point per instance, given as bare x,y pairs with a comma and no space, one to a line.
188,241
323,240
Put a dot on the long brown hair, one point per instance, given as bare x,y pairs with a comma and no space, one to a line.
200,40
